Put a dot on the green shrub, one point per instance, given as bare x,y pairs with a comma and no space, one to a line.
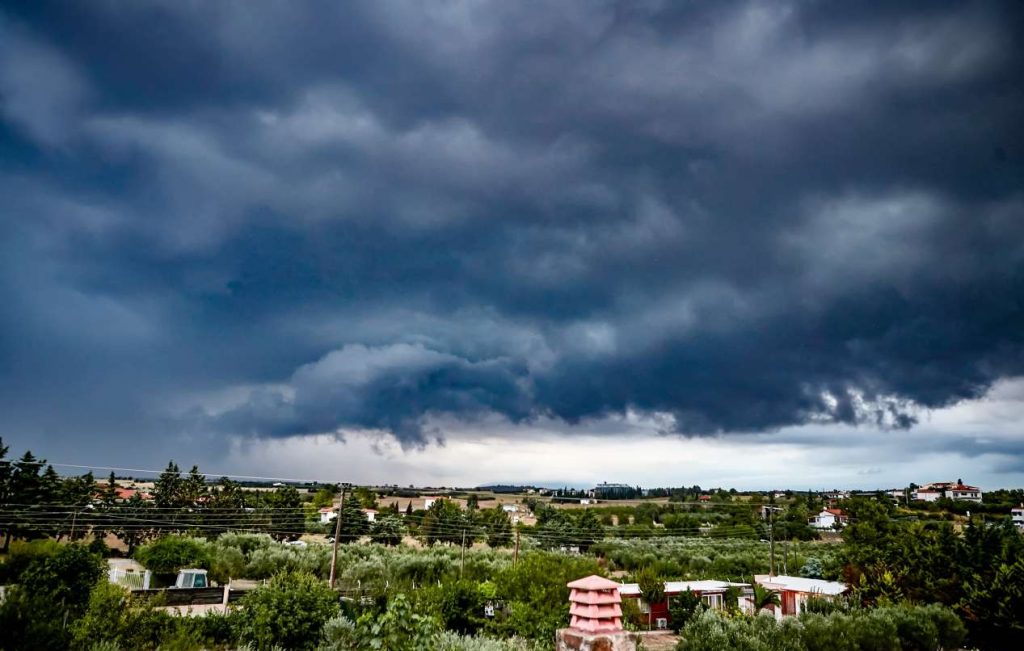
915,629
398,628
451,641
290,612
828,633
169,554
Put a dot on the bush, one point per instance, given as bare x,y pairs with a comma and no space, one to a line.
885,629
683,608
398,628
169,554
290,612
451,641
115,618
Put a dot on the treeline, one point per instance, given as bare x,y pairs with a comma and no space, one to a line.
36,502
978,571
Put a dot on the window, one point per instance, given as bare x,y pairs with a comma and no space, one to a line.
712,600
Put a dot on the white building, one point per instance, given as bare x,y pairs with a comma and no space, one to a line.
327,514
964,492
925,495
1017,515
510,508
952,490
828,519
429,502
371,514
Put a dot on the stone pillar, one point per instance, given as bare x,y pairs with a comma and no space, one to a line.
596,618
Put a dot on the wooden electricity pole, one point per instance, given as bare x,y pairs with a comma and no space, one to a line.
337,535
515,555
462,564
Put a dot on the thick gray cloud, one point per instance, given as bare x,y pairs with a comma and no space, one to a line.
224,219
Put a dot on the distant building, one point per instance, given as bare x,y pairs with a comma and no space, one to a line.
1017,515
828,519
510,508
327,514
612,491
371,514
951,490
429,502
926,495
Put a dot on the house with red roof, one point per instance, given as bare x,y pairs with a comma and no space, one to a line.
829,519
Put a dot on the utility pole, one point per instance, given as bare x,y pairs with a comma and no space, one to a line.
515,555
462,564
771,536
337,535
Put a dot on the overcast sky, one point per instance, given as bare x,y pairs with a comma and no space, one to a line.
729,243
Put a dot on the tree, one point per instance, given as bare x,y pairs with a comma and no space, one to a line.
994,609
168,488
472,502
288,612
5,490
764,598
497,527
652,589
133,522
283,514
171,553
588,530
26,495
683,608
443,522
387,530
354,523
193,487
364,497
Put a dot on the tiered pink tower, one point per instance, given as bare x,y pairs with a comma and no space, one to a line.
594,605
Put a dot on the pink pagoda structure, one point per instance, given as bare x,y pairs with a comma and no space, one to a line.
596,618
594,605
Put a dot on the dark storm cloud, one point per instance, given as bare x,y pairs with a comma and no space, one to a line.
284,219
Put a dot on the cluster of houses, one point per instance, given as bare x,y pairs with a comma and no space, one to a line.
947,489
794,593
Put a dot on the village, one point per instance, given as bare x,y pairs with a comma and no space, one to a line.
636,565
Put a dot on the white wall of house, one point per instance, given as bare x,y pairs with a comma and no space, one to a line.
327,516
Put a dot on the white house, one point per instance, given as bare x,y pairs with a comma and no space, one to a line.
1017,515
327,514
828,519
371,514
429,502
953,490
964,492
